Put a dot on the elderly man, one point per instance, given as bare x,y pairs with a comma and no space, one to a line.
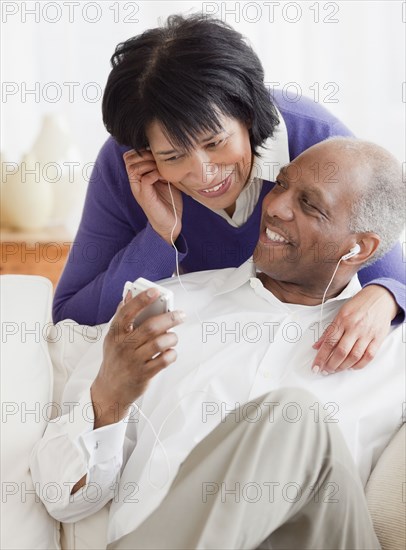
217,445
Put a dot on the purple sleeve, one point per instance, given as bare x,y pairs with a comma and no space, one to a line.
114,243
307,123
389,272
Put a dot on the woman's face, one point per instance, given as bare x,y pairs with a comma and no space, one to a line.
215,171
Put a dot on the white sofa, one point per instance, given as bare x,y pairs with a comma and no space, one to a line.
32,378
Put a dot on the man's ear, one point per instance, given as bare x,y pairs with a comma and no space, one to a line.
368,243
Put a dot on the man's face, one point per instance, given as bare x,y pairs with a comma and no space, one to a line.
305,218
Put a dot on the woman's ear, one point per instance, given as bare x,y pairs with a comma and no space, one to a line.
368,243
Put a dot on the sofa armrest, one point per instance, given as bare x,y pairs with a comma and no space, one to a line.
386,494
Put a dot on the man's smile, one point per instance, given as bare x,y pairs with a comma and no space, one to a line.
273,234
275,237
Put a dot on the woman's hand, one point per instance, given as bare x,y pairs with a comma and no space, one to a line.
152,193
357,332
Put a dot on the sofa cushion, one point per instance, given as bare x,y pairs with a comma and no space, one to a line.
68,342
87,534
385,493
26,394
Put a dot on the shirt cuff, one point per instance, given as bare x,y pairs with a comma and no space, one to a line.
100,445
105,443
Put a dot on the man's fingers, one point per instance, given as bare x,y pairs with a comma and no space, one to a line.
126,313
125,316
147,333
163,360
152,348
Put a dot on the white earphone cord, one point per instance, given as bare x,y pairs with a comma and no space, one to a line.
353,252
325,292
157,440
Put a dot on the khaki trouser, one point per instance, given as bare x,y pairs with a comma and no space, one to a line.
278,482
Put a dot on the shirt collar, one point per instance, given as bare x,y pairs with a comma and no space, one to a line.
237,277
247,273
273,155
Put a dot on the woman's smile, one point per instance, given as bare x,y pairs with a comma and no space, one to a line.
218,189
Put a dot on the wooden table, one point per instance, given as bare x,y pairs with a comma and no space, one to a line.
43,252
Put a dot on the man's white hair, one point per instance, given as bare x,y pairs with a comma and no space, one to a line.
380,206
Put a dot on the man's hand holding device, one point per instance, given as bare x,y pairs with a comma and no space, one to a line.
138,345
163,304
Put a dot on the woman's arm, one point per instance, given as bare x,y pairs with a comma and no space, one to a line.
362,324
365,320
389,272
114,243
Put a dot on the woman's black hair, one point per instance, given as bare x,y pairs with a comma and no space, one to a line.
182,75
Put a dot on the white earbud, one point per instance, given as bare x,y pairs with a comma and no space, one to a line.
353,252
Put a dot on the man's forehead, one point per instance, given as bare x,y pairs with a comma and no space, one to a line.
319,171
323,181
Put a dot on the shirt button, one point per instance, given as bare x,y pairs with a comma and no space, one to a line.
254,282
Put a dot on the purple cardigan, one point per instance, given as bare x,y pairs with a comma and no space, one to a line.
116,243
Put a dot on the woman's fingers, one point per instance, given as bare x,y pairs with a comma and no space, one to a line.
326,344
345,350
133,156
137,165
369,353
347,353
357,331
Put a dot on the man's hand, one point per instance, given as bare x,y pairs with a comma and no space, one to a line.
357,332
131,357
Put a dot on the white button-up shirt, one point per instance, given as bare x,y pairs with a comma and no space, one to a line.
238,342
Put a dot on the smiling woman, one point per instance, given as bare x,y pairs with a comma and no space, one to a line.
214,172
195,129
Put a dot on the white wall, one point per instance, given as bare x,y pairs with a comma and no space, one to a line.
356,50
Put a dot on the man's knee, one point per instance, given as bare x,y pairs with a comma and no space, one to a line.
290,405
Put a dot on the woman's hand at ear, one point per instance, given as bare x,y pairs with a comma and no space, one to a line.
357,332
152,193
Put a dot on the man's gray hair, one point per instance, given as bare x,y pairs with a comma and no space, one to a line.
380,207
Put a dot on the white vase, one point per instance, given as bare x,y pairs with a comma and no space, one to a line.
60,166
6,173
27,198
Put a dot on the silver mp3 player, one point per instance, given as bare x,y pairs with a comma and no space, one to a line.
163,304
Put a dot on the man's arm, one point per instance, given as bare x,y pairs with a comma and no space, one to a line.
81,452
71,449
